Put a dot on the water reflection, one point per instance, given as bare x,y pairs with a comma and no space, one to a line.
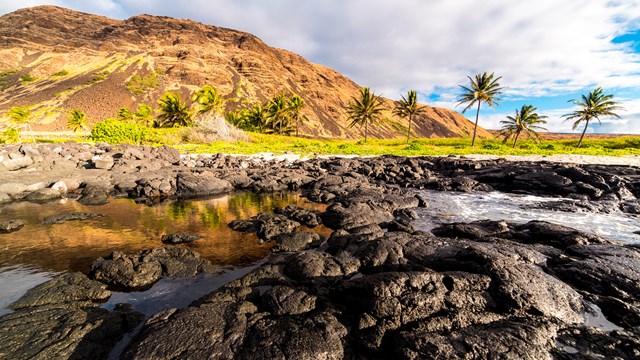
131,227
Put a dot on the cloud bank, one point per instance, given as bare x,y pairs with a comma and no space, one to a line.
541,49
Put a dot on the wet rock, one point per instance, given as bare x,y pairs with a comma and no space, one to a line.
143,269
339,216
592,343
95,193
44,195
66,288
474,230
154,189
309,265
269,226
10,226
244,225
304,216
295,241
189,185
62,218
180,238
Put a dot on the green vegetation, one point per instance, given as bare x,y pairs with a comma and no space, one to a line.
173,112
144,115
367,109
483,89
114,131
124,114
408,107
525,120
138,85
277,113
7,73
10,136
98,77
60,73
26,79
77,120
418,147
296,104
20,117
207,100
592,106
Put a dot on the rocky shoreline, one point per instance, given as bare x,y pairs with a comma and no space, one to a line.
376,288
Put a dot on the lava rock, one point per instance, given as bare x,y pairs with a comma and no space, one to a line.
10,226
180,238
190,185
62,218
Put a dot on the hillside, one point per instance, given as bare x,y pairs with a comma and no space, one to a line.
54,59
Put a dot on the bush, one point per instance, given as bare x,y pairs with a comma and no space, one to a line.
491,146
140,84
113,131
26,78
414,146
60,73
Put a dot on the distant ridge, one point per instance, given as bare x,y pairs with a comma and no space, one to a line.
85,61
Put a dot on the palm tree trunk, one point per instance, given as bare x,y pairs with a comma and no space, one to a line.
296,127
515,140
475,128
583,131
365,131
409,130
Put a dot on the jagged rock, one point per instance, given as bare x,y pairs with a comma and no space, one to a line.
180,238
66,288
62,218
10,226
44,195
189,185
283,300
295,241
269,226
304,216
146,267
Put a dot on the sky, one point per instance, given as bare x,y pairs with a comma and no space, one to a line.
546,51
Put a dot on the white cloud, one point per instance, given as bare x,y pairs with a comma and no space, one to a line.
541,48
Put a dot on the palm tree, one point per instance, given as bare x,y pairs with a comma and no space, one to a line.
77,120
484,89
144,114
408,107
173,111
277,110
525,120
295,107
9,136
124,114
208,99
365,110
20,117
592,106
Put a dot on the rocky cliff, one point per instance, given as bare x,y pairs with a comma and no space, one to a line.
54,59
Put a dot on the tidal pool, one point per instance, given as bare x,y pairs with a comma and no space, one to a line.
37,252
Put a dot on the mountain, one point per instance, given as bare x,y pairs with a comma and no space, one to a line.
54,59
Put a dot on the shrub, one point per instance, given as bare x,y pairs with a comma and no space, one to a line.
138,85
414,146
26,78
60,73
9,136
491,146
113,131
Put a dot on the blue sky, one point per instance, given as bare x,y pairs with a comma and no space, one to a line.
546,51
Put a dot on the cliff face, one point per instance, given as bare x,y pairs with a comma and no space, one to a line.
84,61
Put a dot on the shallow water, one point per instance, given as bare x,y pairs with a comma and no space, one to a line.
448,207
37,252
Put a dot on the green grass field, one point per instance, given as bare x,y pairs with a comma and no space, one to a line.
617,146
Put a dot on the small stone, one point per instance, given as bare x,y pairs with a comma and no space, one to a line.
11,226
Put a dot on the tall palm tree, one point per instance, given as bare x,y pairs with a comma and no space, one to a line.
20,117
144,114
408,107
295,108
483,89
367,109
208,99
525,120
173,111
278,109
77,120
592,106
124,114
